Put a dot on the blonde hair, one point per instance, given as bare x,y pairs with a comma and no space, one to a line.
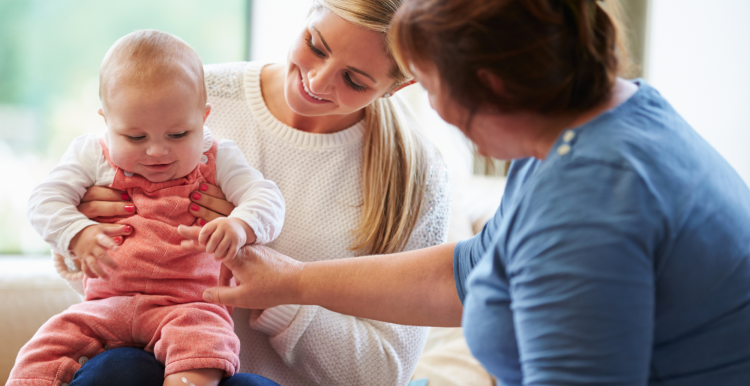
153,58
395,160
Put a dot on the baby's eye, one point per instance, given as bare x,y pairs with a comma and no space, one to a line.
136,139
178,135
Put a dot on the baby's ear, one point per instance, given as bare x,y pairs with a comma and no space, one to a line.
101,112
208,111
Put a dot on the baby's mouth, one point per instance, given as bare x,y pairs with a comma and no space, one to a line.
158,167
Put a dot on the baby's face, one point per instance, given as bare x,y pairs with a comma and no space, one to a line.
156,132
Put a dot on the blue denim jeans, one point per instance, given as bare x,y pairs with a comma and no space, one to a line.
129,366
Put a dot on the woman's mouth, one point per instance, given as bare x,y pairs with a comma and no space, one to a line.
307,94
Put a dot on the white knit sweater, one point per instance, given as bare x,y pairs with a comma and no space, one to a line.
320,178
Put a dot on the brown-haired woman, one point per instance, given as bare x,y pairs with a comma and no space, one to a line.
621,251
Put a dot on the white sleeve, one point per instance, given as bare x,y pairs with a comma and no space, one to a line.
334,349
52,208
257,201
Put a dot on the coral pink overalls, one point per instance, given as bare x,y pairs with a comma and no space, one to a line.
153,301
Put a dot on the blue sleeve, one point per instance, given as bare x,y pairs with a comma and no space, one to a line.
578,260
469,252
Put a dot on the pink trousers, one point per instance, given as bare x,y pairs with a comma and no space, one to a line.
199,335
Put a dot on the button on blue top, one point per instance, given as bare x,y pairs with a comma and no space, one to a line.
621,259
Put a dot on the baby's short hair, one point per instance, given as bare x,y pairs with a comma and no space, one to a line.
150,57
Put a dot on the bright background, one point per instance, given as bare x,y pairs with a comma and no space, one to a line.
696,53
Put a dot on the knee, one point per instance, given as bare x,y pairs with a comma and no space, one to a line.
121,367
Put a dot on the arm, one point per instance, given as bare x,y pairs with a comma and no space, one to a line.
53,213
271,279
258,201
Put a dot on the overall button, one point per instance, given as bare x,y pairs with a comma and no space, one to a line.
568,136
563,149
204,159
128,174
82,360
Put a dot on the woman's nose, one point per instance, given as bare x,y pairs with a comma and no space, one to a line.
321,79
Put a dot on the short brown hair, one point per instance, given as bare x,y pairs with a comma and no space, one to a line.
553,56
150,56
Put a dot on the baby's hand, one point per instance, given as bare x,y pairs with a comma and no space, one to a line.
91,246
224,236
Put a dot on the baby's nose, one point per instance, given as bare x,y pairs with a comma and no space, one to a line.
157,150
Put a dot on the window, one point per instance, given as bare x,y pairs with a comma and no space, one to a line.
50,52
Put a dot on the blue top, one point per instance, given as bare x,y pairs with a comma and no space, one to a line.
621,259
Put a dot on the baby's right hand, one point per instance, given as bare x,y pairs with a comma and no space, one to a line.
91,246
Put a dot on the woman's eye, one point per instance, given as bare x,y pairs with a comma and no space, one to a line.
315,51
354,86
136,139
178,135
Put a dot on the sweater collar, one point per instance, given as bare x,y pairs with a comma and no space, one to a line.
352,135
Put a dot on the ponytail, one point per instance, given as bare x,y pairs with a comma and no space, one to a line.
395,169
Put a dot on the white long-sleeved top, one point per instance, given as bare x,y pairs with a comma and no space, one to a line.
52,206
320,177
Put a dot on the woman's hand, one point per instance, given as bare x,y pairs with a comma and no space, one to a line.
103,203
100,201
265,278
210,203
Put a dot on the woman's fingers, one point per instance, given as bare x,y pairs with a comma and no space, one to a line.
265,279
203,213
228,296
212,199
103,193
211,190
225,276
190,234
94,209
117,232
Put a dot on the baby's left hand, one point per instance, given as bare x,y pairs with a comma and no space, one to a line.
225,236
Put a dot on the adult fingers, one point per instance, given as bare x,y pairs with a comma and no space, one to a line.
203,213
103,193
94,209
189,232
105,241
228,296
113,230
212,199
225,276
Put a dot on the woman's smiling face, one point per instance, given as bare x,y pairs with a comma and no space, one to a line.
336,67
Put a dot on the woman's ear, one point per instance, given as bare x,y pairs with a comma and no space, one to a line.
491,80
402,85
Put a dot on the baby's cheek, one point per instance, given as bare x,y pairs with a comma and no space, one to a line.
122,157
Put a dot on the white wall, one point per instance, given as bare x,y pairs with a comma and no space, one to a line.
698,57
274,25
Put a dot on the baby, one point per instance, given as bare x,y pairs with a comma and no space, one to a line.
148,292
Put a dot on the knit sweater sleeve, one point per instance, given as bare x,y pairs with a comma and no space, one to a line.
334,349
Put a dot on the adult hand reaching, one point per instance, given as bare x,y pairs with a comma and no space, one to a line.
415,287
265,278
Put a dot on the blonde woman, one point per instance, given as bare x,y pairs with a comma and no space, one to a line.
357,179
